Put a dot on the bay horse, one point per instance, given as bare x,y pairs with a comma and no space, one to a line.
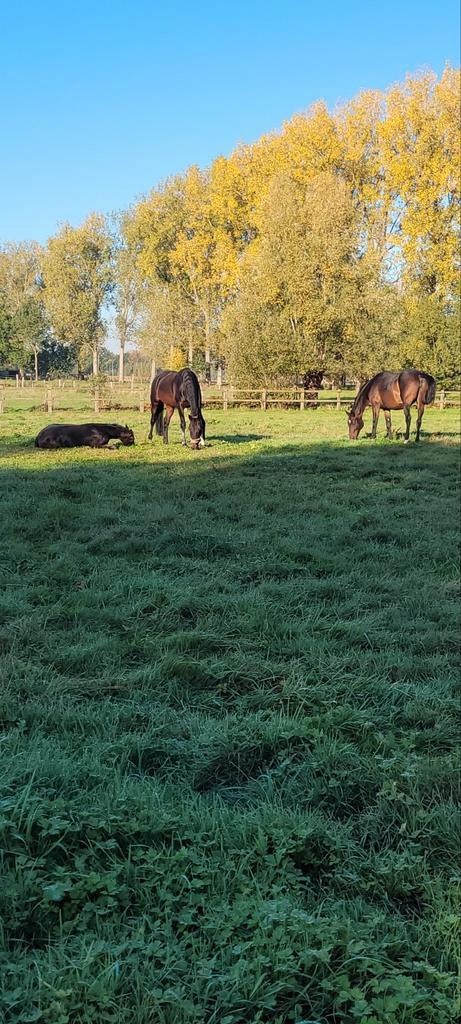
170,391
76,435
389,391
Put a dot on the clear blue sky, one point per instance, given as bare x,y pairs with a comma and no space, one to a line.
99,101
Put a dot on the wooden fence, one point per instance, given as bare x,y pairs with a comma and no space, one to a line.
60,395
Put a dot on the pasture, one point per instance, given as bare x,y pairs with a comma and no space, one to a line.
228,723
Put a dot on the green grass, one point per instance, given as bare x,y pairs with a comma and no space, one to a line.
228,726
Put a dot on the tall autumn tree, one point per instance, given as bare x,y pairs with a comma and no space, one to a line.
127,295
189,235
77,279
331,243
420,153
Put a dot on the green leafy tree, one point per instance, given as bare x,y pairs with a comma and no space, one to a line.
29,333
78,278
25,326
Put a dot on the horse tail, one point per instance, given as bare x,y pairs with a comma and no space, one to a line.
159,418
430,393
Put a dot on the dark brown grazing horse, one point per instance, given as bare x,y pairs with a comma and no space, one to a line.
389,391
170,391
75,435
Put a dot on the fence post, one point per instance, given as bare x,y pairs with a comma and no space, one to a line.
338,400
225,398
264,399
302,396
49,401
17,380
442,399
132,381
96,399
141,402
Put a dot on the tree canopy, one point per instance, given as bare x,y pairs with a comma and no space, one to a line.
330,245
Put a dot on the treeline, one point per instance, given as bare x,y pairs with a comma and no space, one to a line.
329,246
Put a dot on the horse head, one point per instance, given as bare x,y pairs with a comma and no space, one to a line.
126,435
355,423
197,431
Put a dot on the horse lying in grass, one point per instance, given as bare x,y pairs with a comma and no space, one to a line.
388,391
170,391
91,435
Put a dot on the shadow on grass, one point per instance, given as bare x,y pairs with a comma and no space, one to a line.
223,575
237,438
295,503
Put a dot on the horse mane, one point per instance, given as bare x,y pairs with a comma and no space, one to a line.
191,388
361,395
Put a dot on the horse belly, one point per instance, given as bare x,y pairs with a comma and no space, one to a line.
391,405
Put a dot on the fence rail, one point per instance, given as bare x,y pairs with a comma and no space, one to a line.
63,395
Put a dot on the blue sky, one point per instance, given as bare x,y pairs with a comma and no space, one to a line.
100,101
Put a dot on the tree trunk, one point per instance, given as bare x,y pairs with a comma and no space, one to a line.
219,375
153,368
207,348
36,363
121,361
190,352
95,361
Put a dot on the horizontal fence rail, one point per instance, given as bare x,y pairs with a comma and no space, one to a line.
62,395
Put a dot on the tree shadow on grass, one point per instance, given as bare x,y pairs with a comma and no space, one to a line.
289,502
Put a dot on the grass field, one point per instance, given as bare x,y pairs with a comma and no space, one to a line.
228,726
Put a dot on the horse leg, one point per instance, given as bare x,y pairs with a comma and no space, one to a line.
420,416
183,425
152,420
387,417
407,413
375,409
166,422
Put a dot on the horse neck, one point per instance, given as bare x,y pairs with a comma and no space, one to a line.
361,400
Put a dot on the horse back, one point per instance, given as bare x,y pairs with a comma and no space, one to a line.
165,387
174,389
384,391
76,435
